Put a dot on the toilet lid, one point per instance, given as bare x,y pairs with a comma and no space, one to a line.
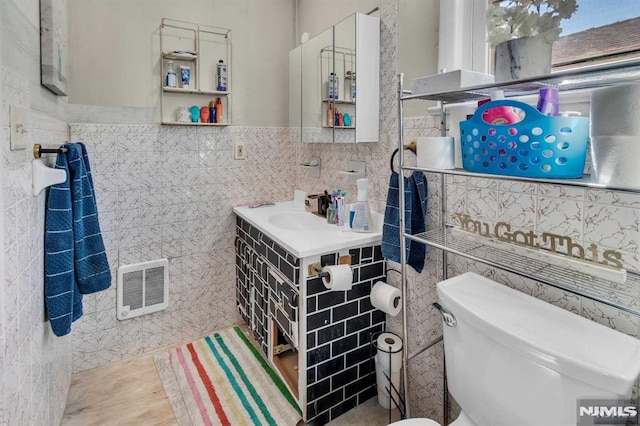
415,422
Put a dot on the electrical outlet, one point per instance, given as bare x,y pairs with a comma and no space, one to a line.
240,153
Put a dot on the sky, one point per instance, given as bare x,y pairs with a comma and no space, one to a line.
595,13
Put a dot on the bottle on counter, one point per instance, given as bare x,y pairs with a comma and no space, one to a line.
362,220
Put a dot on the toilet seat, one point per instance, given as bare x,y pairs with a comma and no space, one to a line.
462,420
415,422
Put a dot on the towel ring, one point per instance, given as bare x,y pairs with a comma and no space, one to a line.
410,146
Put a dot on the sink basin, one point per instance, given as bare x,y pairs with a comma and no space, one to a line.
298,221
304,234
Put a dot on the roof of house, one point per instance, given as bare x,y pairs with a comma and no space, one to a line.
605,41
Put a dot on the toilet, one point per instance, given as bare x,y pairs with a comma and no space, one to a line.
513,359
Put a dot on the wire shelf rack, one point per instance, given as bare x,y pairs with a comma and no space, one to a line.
623,296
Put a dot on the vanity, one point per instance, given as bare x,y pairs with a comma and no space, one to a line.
317,339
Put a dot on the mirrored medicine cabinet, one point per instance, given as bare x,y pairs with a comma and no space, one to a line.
334,83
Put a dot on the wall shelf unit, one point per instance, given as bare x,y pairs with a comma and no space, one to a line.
199,47
623,296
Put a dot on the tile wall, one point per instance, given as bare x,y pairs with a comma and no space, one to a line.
34,363
168,192
35,366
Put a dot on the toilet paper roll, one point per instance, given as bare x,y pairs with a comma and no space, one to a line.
340,277
386,298
382,382
389,343
435,152
615,111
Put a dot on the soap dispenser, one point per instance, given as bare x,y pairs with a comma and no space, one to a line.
362,221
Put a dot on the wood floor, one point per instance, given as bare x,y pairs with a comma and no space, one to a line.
130,393
123,393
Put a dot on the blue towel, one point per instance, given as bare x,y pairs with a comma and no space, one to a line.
75,261
415,195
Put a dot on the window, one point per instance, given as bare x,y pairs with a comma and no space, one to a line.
599,31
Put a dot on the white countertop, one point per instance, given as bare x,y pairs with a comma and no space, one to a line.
318,237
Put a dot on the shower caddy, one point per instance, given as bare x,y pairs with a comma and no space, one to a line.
579,283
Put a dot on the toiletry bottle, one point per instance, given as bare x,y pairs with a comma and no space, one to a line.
218,110
331,209
212,109
170,80
548,101
222,76
352,214
185,76
204,114
330,115
500,115
362,221
333,86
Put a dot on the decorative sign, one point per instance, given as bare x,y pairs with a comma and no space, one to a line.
501,231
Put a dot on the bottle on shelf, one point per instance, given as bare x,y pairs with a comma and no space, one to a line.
333,86
212,109
170,80
548,101
330,115
222,76
218,110
500,115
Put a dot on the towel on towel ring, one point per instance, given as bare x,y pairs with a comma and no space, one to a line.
415,198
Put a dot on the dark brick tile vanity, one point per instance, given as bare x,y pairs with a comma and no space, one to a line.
329,330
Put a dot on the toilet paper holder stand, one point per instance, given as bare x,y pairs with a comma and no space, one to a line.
392,391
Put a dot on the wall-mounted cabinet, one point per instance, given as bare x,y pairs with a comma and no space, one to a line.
335,83
200,48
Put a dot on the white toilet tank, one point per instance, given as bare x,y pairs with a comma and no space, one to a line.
515,360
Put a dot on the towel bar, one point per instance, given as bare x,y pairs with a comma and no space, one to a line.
38,150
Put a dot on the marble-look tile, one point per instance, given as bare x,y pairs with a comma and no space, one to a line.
559,191
482,204
517,209
613,198
557,297
520,187
613,226
611,317
561,217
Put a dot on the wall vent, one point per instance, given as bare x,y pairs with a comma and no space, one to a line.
143,288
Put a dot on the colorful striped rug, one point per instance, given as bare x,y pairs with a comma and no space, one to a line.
224,380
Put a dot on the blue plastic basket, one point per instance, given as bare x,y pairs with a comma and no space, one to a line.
539,146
